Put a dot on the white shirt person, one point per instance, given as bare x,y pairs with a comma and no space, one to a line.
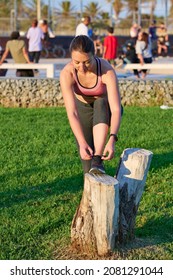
82,28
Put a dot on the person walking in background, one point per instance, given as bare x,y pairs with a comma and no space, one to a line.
43,24
90,90
82,28
35,36
18,51
48,34
153,35
130,56
98,45
163,39
110,46
134,30
143,50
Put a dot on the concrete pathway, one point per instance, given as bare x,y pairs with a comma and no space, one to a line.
121,73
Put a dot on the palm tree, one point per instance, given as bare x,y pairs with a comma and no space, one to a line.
5,8
31,8
171,9
153,7
132,6
66,8
117,6
93,9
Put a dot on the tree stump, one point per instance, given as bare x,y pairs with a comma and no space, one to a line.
132,173
107,211
95,224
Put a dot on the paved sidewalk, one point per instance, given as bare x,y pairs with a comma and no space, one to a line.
121,73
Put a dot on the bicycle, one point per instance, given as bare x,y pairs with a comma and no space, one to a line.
55,51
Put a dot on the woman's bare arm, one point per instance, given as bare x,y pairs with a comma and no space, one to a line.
66,82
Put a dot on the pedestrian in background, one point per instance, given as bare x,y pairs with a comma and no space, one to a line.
110,46
163,39
134,30
35,36
43,24
82,28
130,56
143,51
18,51
153,35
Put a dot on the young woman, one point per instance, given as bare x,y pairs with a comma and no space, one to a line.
163,40
92,100
143,50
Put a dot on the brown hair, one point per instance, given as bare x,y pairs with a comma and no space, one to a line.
35,23
145,39
15,35
83,44
110,29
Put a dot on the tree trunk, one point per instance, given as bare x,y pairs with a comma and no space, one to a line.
95,224
107,211
132,174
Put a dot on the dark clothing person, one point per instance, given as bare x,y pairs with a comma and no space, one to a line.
153,36
131,56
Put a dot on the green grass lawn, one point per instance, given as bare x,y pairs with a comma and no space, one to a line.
41,183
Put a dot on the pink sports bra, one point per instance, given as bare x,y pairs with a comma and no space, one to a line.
96,90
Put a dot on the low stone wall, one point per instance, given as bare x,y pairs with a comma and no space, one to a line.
146,92
29,92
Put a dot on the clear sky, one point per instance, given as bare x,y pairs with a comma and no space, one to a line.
160,9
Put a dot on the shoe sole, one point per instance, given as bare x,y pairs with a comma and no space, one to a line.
96,171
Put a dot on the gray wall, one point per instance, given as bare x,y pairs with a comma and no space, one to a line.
28,92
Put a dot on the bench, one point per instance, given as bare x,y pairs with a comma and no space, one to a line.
49,67
149,66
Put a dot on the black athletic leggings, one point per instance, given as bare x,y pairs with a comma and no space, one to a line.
90,115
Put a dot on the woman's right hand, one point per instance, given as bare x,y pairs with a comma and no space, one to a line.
86,152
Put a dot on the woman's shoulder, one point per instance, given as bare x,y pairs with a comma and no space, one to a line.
105,65
68,68
67,71
140,44
106,70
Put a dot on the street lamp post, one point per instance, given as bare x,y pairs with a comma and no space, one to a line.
15,15
111,13
49,11
166,13
81,8
139,12
38,10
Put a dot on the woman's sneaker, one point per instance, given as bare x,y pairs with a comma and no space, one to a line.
97,165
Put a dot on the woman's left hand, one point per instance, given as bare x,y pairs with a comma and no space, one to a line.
109,151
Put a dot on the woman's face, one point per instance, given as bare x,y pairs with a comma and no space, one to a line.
83,62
